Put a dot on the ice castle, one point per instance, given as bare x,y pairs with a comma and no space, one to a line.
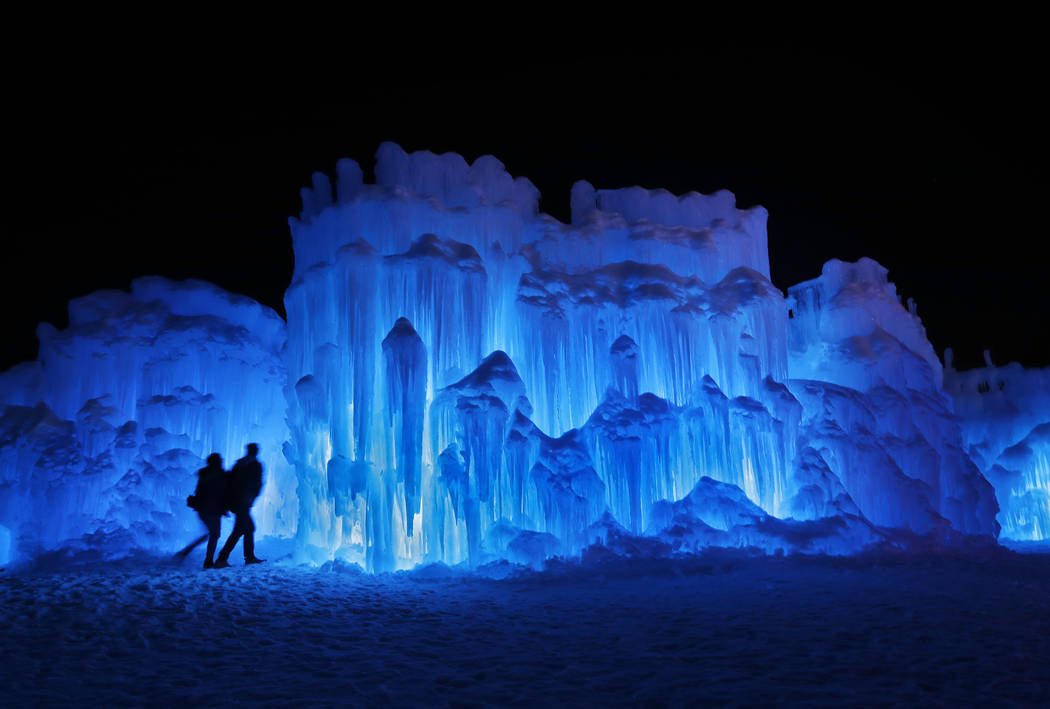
462,378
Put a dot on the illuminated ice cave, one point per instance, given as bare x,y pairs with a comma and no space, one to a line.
464,379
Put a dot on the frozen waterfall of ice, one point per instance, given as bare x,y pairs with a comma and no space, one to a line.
462,378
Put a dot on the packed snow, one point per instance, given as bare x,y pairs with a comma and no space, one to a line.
723,629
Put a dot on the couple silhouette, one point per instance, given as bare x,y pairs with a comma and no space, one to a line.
220,492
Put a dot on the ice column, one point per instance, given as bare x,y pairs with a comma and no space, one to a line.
405,359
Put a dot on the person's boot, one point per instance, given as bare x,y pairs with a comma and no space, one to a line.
208,563
221,563
253,560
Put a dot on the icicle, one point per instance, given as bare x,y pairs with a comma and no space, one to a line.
406,377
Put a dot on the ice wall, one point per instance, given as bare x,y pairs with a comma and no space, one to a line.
483,272
562,380
1005,416
101,437
462,378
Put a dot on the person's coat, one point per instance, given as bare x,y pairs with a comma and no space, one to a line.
245,484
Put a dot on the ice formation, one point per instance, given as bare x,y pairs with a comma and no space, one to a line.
464,378
870,386
100,438
1005,418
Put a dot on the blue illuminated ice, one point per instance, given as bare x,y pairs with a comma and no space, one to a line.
1005,418
601,369
869,384
101,437
850,328
463,379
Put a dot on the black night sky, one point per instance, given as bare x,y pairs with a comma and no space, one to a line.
927,155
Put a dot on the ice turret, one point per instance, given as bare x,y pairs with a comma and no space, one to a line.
449,179
349,180
740,231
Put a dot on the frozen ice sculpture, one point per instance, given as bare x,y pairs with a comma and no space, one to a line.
462,378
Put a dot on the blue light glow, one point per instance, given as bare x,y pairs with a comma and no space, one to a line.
462,378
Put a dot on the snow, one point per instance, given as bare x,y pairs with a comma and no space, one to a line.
725,628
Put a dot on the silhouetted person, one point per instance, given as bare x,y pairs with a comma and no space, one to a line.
209,499
245,483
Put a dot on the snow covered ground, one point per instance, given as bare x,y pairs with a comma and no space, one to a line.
724,629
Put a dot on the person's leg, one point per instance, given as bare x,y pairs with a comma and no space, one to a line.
214,531
238,531
249,537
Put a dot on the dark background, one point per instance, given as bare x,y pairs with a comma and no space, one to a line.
924,149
